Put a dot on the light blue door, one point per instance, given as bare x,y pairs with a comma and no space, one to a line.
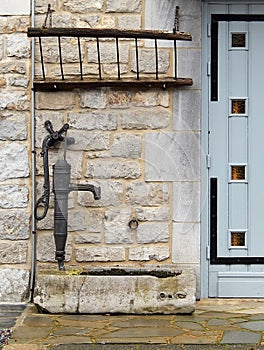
236,152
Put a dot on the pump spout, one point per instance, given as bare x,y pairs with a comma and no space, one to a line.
96,191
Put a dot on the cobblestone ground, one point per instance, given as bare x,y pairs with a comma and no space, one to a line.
216,324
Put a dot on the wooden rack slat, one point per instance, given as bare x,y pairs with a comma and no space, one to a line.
71,84
106,33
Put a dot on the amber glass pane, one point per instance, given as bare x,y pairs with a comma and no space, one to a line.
238,106
238,172
238,239
238,40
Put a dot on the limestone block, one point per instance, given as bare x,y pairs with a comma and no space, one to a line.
19,82
13,67
95,220
14,225
88,294
50,52
92,238
160,15
123,5
153,214
186,243
12,7
119,99
148,253
108,52
2,82
18,45
14,24
89,140
152,233
77,6
112,70
147,61
111,195
13,161
151,98
172,156
41,6
93,120
90,21
13,128
189,65
116,227
106,168
14,252
48,222
186,201
127,146
129,22
93,99
147,194
145,118
13,196
14,101
100,253
14,285
186,113
62,20
76,220
1,47
60,100
107,22
69,55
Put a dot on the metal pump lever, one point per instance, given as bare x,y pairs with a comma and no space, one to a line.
61,188
42,204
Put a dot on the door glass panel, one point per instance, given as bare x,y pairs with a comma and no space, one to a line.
238,239
238,172
238,106
238,39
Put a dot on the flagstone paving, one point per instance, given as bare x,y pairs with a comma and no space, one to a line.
216,324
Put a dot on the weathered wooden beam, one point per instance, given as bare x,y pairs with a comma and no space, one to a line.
70,84
107,33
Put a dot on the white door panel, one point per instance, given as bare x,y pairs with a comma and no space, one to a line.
236,148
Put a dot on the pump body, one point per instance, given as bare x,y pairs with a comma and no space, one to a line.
61,188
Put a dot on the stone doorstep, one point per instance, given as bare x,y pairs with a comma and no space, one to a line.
67,292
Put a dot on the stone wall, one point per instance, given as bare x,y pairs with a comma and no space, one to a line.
140,147
15,205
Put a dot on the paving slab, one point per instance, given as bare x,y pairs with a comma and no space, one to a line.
253,325
222,324
240,337
9,313
154,347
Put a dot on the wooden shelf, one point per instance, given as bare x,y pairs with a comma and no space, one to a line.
156,79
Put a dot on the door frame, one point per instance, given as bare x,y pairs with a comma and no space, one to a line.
209,201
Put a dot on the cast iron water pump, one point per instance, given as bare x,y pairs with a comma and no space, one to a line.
61,188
